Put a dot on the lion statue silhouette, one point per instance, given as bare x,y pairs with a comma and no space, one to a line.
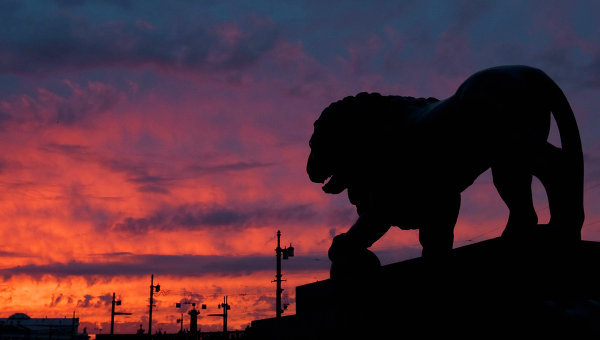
405,161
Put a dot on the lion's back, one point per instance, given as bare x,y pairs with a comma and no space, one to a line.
505,85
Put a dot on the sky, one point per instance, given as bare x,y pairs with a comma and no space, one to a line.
171,138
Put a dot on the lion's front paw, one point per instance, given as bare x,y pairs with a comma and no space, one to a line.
348,261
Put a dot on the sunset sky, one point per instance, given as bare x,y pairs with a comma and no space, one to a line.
171,138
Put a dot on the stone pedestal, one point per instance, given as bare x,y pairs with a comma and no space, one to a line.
490,289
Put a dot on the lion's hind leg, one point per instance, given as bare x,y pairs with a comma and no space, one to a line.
436,232
563,181
513,183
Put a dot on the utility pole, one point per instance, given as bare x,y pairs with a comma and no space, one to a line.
286,253
225,307
113,313
112,316
152,289
278,250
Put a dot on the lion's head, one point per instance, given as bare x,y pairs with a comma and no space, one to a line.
353,132
332,143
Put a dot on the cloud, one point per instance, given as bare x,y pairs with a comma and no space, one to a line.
14,254
190,298
93,98
73,150
154,176
82,104
91,301
176,265
228,167
193,217
124,4
200,113
55,300
66,38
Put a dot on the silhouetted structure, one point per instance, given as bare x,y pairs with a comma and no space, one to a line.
21,326
492,289
113,313
226,307
286,253
406,160
193,320
175,336
153,288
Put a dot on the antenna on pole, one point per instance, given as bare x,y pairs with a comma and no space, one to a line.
113,313
225,307
153,288
286,253
112,316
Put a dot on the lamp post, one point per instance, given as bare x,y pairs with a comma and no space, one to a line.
285,253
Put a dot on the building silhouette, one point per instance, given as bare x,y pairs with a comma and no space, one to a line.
21,326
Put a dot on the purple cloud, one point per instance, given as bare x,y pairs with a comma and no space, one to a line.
198,217
177,265
70,38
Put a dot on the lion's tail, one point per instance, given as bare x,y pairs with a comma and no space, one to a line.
567,126
571,156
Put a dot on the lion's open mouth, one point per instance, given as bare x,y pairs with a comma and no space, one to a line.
333,185
326,180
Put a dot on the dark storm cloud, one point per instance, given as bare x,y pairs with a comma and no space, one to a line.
176,265
42,38
199,217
